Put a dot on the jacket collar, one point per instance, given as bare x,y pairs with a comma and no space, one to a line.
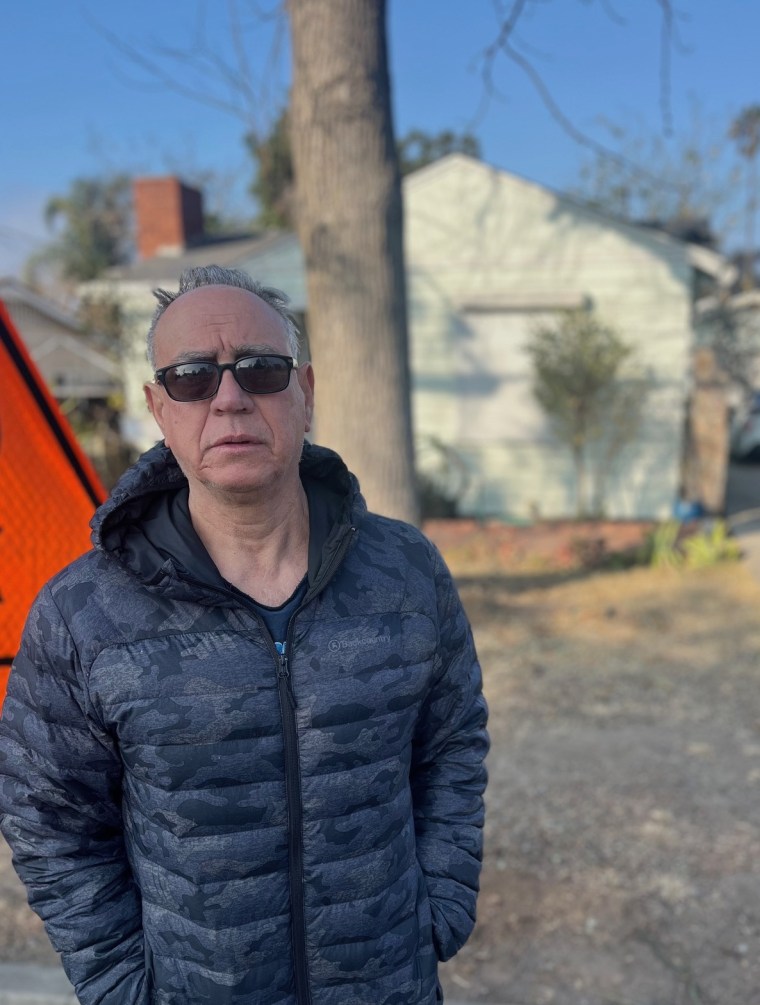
144,523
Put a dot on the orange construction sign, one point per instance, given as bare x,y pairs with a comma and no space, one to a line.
48,490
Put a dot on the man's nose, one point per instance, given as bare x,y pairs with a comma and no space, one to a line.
231,396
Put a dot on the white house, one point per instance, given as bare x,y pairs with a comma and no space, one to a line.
488,256
72,367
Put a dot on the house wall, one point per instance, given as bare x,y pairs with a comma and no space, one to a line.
74,370
282,266
489,255
137,304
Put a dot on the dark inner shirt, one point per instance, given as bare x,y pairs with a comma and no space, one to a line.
170,531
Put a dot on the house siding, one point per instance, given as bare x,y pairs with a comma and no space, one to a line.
490,255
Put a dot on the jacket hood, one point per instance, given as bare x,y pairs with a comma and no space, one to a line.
144,524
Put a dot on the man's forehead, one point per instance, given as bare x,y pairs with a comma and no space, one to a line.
225,324
228,303
219,310
209,320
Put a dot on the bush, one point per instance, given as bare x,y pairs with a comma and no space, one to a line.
669,546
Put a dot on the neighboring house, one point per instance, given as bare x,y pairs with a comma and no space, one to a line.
488,256
73,369
729,323
727,382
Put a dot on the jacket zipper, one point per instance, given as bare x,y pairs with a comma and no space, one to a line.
293,778
295,827
293,788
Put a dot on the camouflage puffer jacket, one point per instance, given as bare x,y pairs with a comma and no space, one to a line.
200,820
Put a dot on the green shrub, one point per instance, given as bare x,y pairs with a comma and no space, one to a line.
670,547
710,547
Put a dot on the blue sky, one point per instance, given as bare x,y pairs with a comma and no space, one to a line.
72,106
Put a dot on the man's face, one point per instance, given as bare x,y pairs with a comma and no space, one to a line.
235,442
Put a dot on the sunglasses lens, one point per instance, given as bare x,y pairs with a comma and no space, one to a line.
191,381
263,374
255,374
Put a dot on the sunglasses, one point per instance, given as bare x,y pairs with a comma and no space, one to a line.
260,374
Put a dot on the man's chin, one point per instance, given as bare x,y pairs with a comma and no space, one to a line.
238,486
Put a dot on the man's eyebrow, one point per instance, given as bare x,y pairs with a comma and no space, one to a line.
212,355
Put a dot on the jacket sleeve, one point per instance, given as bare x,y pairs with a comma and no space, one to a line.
449,775
60,811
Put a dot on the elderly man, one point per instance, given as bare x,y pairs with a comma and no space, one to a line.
242,750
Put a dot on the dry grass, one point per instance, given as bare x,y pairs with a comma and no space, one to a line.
623,833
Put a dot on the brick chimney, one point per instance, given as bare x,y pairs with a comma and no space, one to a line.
168,214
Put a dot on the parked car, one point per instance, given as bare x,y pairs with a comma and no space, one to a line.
745,430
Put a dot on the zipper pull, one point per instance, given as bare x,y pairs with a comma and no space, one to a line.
283,668
283,673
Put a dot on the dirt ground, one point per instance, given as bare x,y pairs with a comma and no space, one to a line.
623,834
622,862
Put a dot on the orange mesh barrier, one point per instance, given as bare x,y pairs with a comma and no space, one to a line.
48,490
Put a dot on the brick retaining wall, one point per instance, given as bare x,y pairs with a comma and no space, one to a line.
473,546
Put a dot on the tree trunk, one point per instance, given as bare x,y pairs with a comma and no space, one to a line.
349,214
579,460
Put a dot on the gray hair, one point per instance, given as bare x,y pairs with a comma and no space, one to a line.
216,275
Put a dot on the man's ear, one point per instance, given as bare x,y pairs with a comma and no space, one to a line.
155,403
306,379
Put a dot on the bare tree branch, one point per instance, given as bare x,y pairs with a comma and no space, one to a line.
503,44
509,25
612,14
162,77
226,85
243,65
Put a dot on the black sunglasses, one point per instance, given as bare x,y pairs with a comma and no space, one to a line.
260,374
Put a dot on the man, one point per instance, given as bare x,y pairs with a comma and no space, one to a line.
241,754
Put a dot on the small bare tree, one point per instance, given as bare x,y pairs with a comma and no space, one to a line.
745,131
578,382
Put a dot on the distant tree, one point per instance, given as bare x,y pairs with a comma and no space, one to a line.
95,228
578,382
418,148
745,131
101,318
274,184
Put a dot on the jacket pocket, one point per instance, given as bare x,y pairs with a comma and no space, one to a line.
425,961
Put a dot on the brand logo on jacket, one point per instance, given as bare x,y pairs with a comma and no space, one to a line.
362,642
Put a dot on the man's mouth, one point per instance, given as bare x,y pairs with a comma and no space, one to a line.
233,441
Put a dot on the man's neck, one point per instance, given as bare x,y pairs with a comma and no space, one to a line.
260,546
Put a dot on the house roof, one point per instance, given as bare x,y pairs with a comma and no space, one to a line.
747,301
226,251
236,250
700,257
70,364
75,369
14,292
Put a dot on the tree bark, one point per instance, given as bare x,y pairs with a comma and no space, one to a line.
349,215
